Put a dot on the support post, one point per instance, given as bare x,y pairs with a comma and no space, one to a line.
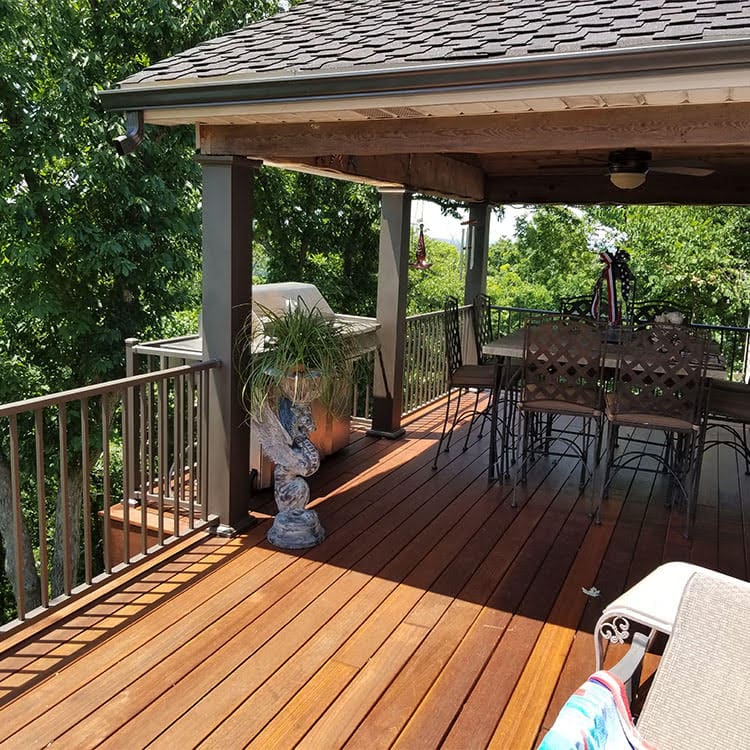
393,279
133,459
227,293
479,241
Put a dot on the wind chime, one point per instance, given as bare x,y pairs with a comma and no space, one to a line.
420,259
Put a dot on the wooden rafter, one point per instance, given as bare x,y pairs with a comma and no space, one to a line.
688,125
423,173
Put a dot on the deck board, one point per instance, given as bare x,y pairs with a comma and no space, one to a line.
433,615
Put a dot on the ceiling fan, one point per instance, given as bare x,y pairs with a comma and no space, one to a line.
627,168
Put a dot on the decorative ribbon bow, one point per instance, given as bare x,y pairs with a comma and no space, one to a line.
615,268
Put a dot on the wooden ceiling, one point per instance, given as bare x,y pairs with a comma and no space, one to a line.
527,157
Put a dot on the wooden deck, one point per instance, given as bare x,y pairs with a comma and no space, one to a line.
433,615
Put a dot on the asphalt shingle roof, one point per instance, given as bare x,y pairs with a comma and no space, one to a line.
334,36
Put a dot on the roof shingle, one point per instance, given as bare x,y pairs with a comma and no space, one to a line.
317,34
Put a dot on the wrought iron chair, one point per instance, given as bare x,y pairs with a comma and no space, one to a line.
576,306
463,378
506,391
481,315
659,384
562,375
647,311
728,409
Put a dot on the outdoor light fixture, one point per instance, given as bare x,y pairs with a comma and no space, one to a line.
627,180
628,168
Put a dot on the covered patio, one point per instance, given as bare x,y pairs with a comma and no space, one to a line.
433,615
485,104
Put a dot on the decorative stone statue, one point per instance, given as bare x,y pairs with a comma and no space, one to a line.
285,441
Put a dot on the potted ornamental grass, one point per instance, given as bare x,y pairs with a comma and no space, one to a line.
300,353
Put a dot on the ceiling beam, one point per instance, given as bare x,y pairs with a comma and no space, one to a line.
422,173
666,189
684,125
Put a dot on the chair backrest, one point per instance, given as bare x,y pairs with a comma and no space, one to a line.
576,306
700,697
661,371
581,307
646,312
482,320
563,361
453,355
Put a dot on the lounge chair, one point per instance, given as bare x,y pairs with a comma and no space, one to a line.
700,695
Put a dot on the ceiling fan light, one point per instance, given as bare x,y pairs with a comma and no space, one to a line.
627,180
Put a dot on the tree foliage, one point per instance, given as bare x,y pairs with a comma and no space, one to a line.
320,231
429,288
93,248
696,255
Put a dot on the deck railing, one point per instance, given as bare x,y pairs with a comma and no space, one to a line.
66,455
424,357
121,465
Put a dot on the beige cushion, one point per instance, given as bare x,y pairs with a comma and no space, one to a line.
474,376
729,400
560,407
700,696
638,419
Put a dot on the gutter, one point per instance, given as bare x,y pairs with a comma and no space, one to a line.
499,73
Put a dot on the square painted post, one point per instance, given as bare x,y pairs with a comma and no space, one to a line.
393,280
227,294
476,261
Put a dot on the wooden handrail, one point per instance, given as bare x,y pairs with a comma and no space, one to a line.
90,391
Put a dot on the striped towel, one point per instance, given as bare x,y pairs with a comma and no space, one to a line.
596,717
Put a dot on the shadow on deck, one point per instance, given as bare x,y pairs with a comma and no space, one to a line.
433,615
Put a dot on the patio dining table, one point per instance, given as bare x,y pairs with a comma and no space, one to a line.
511,346
510,349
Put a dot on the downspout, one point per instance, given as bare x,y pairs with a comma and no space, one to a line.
126,144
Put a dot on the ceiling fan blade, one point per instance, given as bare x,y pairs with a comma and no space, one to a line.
691,167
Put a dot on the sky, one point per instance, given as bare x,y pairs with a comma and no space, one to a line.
447,228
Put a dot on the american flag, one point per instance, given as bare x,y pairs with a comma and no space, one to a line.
615,269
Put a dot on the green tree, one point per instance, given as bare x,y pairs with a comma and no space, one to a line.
548,260
429,288
320,231
695,255
93,248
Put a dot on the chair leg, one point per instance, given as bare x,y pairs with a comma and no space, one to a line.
525,447
611,445
455,419
510,418
493,436
486,412
474,417
696,461
586,440
526,420
445,427
599,438
746,449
